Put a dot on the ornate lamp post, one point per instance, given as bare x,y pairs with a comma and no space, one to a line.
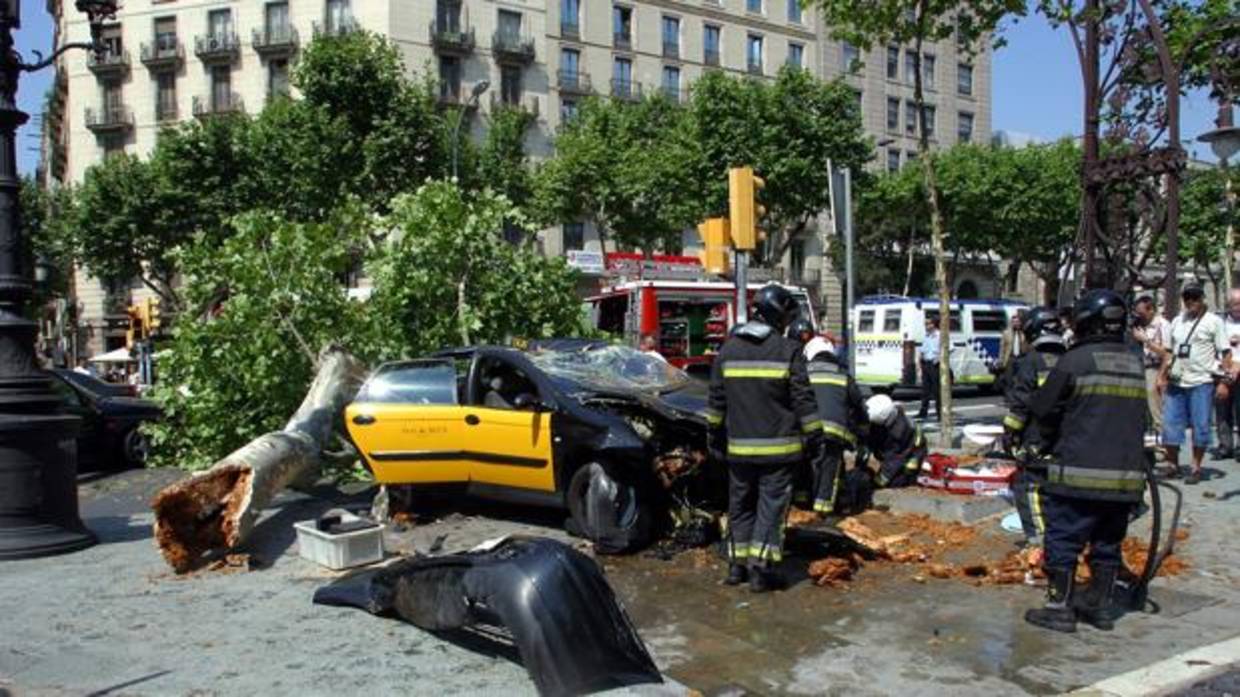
1225,142
38,455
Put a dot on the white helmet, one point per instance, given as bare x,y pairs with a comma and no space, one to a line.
880,408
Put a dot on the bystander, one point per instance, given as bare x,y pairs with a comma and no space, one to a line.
929,353
1227,402
1148,328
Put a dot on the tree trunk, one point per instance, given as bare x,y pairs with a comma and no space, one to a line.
946,425
215,510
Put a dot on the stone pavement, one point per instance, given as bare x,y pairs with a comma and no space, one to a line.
113,620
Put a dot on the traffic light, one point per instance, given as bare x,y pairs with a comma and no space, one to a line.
745,212
716,246
137,325
153,317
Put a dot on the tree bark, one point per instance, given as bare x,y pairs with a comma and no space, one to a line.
215,510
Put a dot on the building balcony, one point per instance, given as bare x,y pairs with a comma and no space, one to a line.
573,82
163,54
510,47
671,49
622,40
711,58
626,90
275,42
339,27
224,47
528,104
452,40
673,94
218,105
570,30
457,100
754,68
109,65
166,112
109,119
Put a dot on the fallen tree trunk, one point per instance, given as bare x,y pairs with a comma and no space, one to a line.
215,510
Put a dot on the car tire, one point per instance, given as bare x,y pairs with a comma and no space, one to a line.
610,513
134,448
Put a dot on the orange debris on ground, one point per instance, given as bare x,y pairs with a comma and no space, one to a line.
956,551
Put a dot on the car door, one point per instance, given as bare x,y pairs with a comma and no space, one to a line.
408,422
91,448
509,446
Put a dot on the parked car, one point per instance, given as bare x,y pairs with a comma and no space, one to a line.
93,384
609,433
110,436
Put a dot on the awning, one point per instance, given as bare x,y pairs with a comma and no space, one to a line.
120,355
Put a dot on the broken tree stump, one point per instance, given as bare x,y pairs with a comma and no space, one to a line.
215,510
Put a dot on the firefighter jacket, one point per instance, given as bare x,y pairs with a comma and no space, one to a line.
840,405
1092,414
899,447
1029,372
760,397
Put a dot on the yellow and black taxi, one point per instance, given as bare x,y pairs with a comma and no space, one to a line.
600,429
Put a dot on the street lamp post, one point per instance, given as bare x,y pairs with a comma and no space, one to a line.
38,454
474,94
1225,142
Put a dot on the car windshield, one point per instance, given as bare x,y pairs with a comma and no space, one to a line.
610,367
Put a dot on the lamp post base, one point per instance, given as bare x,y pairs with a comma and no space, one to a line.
38,487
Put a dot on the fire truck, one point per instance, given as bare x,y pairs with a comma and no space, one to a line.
672,299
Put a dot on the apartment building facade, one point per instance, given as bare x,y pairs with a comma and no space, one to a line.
172,60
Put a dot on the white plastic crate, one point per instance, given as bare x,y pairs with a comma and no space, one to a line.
342,551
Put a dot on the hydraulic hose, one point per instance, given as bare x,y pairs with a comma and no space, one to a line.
1154,556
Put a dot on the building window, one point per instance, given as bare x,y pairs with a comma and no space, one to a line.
111,39
671,82
166,96
910,66
510,25
710,43
568,110
927,72
338,16
796,260
931,115
910,157
893,160
277,77
671,37
275,17
858,99
510,84
622,26
448,16
165,34
570,17
893,63
910,118
753,53
219,23
893,114
964,79
794,11
850,58
753,5
112,103
221,88
796,55
964,127
450,77
622,77
574,236
570,63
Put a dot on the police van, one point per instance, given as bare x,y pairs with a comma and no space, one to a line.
887,331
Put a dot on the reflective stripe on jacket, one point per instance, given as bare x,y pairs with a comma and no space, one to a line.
837,397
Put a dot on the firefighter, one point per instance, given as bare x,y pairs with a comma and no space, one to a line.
1091,412
763,422
897,444
841,408
1043,331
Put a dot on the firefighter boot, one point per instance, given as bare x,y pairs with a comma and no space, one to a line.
762,580
1057,614
737,574
1097,605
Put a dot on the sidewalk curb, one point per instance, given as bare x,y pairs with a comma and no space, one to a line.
1168,675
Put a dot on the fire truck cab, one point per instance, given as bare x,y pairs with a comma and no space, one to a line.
689,319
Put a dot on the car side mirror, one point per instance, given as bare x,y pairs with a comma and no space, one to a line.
525,400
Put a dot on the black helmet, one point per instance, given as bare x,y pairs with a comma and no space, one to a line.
1042,321
798,327
1100,313
774,305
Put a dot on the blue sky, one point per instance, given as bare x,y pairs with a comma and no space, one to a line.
1037,85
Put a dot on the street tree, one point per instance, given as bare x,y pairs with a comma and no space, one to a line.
502,163
916,23
1204,218
787,130
892,225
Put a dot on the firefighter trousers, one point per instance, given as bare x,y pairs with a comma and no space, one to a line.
758,499
1071,523
828,473
1028,497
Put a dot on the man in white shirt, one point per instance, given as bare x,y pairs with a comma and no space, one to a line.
1148,328
1196,342
1227,411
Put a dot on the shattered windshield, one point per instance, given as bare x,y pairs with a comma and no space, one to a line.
610,367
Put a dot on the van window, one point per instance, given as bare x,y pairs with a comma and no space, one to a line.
891,320
989,321
955,315
611,311
865,321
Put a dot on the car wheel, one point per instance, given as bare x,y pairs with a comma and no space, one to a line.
134,448
609,513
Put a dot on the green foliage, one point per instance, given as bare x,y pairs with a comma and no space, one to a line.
241,368
46,239
359,75
446,277
1204,217
877,22
502,163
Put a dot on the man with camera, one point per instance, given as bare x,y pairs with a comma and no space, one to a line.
1227,403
